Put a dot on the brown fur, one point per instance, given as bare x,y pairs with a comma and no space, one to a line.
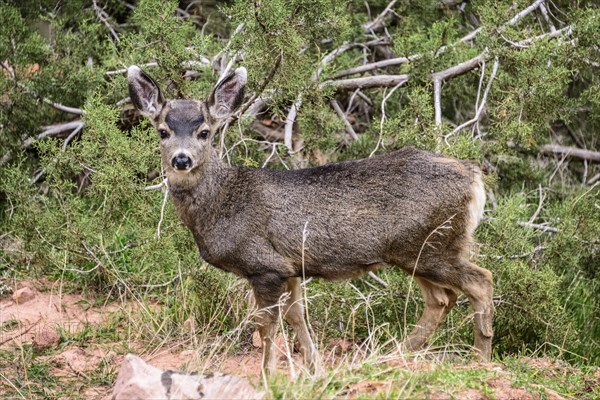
410,208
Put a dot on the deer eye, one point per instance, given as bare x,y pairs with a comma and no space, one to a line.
203,134
163,133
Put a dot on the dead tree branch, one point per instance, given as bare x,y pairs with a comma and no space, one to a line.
103,17
378,22
400,60
54,130
367,82
437,100
525,12
571,152
342,115
544,228
289,124
481,107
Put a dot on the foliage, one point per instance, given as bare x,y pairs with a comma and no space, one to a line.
79,209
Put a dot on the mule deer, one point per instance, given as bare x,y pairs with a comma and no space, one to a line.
410,208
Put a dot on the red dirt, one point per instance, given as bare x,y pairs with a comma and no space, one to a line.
50,308
46,311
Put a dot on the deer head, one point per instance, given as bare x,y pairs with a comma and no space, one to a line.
186,128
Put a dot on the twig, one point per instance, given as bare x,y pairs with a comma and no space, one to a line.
124,70
400,60
481,106
377,23
437,100
536,250
383,117
158,186
162,210
523,44
22,333
261,89
58,106
289,124
378,279
53,130
71,136
572,152
544,11
544,228
342,115
103,16
225,49
540,204
525,12
594,179
159,285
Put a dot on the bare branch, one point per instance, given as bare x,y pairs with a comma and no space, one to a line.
378,279
481,105
342,115
124,70
540,204
572,152
567,30
71,136
289,124
525,12
103,17
591,181
53,130
378,22
259,92
544,11
543,227
459,69
400,60
367,82
437,100
158,186
58,106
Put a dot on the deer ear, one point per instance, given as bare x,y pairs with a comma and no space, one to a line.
144,92
228,94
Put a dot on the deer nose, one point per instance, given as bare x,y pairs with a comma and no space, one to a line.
181,162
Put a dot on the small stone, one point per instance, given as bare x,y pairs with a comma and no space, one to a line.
189,324
46,339
23,295
256,342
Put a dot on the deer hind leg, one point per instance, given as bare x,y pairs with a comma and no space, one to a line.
268,288
438,303
476,284
294,315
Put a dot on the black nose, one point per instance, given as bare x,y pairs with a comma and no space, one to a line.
181,162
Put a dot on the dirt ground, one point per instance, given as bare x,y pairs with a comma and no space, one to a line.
38,309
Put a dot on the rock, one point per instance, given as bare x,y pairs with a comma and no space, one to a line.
139,380
189,324
46,339
23,295
256,342
280,342
340,346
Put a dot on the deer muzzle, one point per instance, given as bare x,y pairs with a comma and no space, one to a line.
181,162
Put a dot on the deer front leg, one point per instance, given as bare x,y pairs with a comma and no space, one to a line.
294,315
268,288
